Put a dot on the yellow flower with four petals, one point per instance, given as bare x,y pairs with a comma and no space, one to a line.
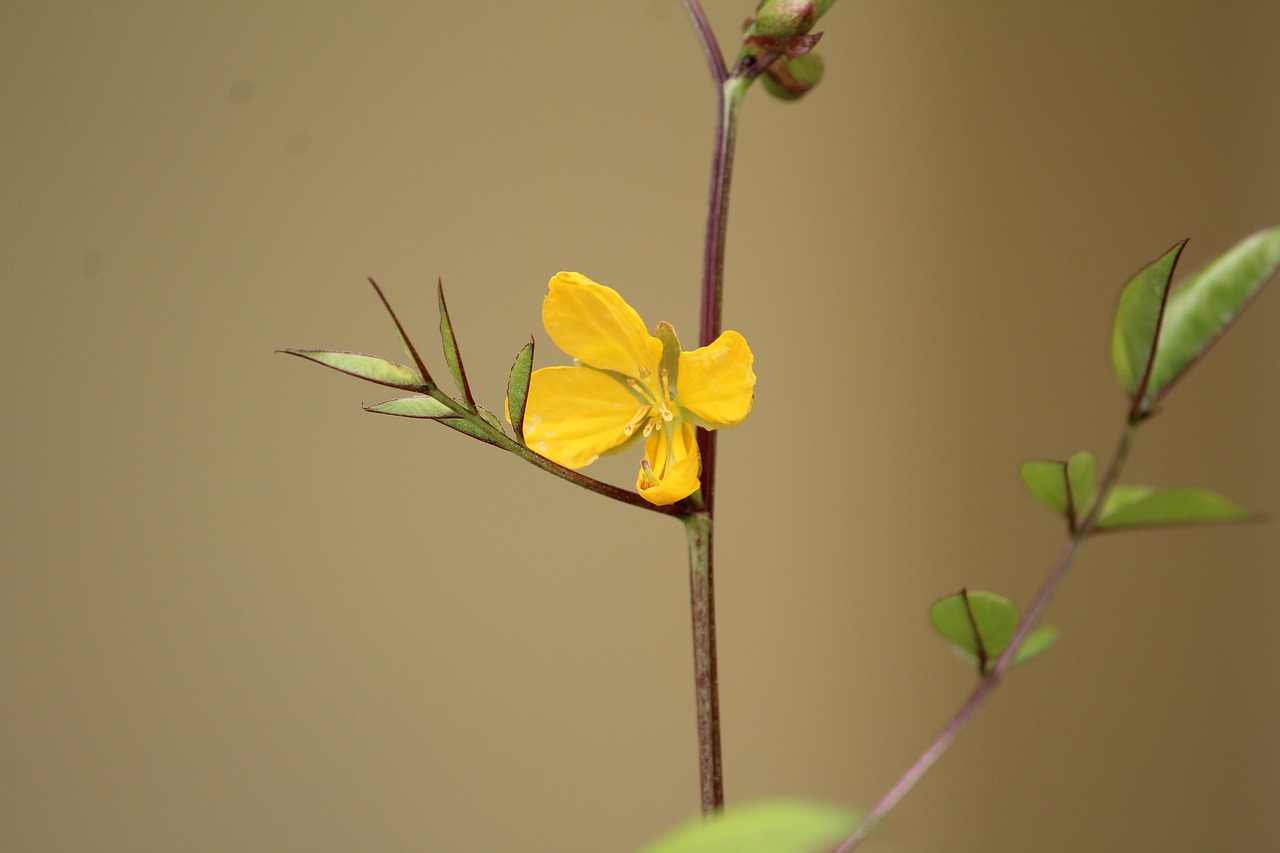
628,385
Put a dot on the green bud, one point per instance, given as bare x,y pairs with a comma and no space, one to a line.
788,79
785,18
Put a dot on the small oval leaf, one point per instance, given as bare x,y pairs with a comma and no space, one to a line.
1046,480
1137,321
977,623
769,826
1065,487
1037,642
980,625
518,389
1082,478
1201,309
363,366
1142,507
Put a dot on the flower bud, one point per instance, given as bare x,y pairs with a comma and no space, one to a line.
785,18
788,79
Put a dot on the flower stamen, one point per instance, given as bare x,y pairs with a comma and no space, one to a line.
641,414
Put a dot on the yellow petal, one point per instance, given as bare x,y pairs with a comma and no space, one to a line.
596,326
717,383
673,470
574,414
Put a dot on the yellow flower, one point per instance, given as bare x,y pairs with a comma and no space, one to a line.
627,385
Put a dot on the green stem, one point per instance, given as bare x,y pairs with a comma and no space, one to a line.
957,723
706,686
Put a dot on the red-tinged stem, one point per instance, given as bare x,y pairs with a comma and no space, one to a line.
952,729
699,525
711,47
728,103
706,685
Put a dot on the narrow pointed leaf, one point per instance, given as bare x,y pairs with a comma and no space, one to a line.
1171,506
1201,309
471,428
518,389
451,355
421,406
405,343
769,826
490,418
1137,321
417,406
363,366
1046,480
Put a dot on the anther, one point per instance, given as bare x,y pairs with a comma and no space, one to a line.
636,419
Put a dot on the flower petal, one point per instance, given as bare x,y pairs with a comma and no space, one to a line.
672,470
717,383
574,414
596,326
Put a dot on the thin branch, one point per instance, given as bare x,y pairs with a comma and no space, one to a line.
711,47
1039,604
679,510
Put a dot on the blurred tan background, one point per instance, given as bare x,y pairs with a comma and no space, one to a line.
240,614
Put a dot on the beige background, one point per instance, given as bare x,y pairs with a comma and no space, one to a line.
240,614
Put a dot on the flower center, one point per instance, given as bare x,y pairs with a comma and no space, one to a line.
658,411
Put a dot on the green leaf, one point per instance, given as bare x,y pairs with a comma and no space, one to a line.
518,389
417,406
981,624
421,406
1144,507
1036,643
405,343
1201,309
364,366
1122,496
1047,481
451,355
469,427
490,418
1082,477
768,826
1137,321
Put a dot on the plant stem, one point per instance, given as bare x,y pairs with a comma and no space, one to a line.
952,729
729,95
711,47
699,525
706,686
